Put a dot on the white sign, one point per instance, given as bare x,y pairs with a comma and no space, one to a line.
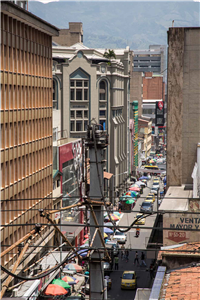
57,215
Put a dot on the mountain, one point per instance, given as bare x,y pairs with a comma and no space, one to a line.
118,24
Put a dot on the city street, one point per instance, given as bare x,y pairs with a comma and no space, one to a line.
140,243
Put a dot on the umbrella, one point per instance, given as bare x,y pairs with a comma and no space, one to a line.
109,224
113,218
117,213
134,188
108,230
55,290
70,280
62,283
140,183
126,195
83,251
144,177
105,235
130,201
74,267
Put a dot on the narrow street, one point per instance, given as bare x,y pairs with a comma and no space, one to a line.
142,273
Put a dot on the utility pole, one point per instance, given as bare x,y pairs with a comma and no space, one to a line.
96,140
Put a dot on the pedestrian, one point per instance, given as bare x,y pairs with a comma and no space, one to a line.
151,270
127,255
116,262
143,260
136,258
122,251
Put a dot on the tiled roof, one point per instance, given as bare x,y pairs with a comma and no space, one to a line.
182,284
188,248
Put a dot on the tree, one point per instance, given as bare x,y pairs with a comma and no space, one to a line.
109,55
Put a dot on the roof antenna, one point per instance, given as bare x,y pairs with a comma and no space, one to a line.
173,23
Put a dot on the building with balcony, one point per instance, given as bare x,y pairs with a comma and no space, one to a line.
88,88
26,128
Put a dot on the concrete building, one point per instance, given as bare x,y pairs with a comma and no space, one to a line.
145,131
71,36
26,127
153,91
92,89
153,60
183,132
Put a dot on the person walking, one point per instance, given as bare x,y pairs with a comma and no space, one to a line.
143,260
127,255
122,251
116,262
136,258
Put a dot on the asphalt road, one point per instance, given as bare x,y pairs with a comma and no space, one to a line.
143,275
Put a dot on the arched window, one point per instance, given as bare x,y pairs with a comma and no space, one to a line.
102,90
55,94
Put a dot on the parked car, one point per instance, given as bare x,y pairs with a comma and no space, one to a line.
154,190
120,237
146,207
140,221
129,280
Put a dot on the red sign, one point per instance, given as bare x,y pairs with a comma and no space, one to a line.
177,236
160,105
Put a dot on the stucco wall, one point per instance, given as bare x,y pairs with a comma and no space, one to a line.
183,124
175,103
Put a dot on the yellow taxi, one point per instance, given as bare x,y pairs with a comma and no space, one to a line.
153,196
149,199
141,221
129,280
156,180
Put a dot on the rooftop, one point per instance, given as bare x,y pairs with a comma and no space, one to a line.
182,284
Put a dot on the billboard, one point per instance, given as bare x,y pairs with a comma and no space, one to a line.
159,113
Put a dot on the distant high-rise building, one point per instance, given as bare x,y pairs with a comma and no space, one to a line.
26,127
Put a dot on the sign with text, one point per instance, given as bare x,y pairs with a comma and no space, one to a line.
159,113
182,228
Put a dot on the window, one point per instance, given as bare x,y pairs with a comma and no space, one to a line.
85,83
72,113
78,83
58,182
102,113
54,185
79,94
79,114
55,94
79,126
72,126
72,83
85,114
85,95
85,125
103,125
72,95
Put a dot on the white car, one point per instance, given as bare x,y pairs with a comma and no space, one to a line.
120,237
154,190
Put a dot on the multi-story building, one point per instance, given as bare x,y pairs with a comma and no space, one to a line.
26,126
145,131
183,132
153,91
92,89
152,60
